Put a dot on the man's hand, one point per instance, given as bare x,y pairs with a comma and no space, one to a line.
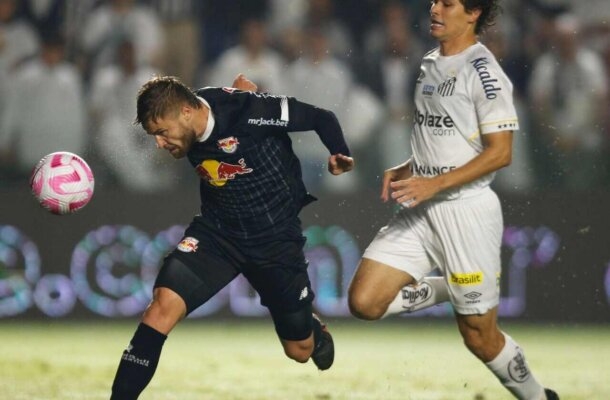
415,190
338,164
397,173
245,84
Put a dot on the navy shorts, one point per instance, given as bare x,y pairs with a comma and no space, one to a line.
205,261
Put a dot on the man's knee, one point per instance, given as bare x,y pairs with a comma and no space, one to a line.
165,310
295,332
364,306
299,351
373,288
484,347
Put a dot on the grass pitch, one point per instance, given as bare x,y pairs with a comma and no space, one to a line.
243,360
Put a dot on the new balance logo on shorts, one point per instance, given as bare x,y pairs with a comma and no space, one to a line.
415,295
304,293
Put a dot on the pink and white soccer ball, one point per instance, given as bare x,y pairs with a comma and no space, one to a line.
62,182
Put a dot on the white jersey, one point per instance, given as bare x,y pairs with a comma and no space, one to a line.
457,99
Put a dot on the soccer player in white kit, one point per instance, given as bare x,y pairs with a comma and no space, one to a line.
451,219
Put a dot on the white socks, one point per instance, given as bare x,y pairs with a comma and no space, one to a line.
513,372
509,365
429,291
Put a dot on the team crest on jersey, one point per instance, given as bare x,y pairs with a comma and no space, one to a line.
428,90
228,145
188,245
447,88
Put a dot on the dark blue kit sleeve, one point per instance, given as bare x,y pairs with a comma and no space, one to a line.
306,117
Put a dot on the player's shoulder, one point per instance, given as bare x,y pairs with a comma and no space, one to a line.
480,57
432,55
223,96
484,72
213,91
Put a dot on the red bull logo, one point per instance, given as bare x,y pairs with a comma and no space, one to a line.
188,245
218,173
228,145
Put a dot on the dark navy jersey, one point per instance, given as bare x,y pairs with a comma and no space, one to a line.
251,185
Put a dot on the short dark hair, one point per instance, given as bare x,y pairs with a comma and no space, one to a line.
490,9
160,96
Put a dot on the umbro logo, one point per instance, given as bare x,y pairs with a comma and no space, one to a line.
472,295
304,293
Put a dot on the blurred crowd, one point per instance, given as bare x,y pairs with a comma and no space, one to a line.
70,71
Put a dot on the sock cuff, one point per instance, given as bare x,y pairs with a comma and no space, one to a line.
148,336
505,354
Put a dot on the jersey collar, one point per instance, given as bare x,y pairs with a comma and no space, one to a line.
211,122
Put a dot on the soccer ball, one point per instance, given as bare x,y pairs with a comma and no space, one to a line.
62,182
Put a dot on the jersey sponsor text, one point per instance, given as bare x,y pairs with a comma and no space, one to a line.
480,65
431,170
475,278
442,125
413,296
267,122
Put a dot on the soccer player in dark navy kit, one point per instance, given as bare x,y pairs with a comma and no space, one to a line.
251,194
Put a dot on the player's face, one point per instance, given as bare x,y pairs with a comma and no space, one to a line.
173,133
449,20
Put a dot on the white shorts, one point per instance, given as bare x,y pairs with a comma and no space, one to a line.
461,237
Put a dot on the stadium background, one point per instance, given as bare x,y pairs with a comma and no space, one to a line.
98,264
101,261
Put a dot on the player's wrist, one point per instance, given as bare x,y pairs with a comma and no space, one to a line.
442,182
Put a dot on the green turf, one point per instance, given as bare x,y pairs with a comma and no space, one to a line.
403,359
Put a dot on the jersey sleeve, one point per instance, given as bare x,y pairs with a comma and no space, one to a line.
306,117
265,113
492,95
270,114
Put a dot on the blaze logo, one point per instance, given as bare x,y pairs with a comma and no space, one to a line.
228,145
218,173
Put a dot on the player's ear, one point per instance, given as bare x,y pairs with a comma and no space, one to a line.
186,111
473,15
